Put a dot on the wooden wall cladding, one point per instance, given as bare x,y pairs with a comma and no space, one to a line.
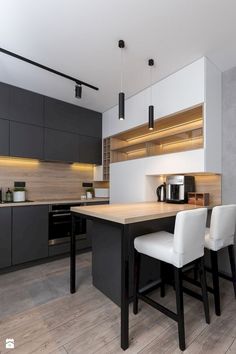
46,180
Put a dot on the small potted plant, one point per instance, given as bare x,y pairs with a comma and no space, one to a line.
89,193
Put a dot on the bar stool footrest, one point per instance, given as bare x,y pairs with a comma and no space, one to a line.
159,307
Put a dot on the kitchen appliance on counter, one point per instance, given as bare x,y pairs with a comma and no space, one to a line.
161,193
60,224
19,193
177,188
101,192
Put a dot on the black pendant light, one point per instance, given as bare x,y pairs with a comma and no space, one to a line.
151,107
121,45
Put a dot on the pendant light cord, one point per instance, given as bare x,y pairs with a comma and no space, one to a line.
121,69
150,85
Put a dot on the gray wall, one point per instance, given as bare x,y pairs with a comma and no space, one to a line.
229,137
228,146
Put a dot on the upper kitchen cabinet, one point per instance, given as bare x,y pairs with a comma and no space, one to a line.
60,146
26,106
90,124
4,100
26,140
67,117
187,124
90,150
4,137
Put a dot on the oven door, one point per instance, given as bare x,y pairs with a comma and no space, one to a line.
60,227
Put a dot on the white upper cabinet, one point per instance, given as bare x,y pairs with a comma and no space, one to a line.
175,93
196,84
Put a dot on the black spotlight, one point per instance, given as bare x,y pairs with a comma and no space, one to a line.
151,117
78,91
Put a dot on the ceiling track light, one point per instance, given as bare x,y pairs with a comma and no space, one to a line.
79,83
78,90
151,107
121,45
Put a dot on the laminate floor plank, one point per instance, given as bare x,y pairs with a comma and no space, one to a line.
37,310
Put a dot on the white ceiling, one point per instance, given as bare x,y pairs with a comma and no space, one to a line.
79,37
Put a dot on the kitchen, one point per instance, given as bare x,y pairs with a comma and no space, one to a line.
80,167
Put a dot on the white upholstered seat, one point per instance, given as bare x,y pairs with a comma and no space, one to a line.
180,248
222,228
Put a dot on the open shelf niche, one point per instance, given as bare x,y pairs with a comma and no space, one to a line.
179,132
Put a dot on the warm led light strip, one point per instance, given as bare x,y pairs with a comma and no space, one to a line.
13,161
136,151
156,133
82,166
191,140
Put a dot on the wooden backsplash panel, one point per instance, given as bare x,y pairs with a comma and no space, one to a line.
209,184
46,180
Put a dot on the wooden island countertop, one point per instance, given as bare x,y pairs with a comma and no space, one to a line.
133,212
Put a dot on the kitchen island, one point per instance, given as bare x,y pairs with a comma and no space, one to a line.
113,228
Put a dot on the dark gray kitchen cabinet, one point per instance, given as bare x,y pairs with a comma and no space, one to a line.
4,137
60,115
5,237
71,118
60,146
90,150
90,122
26,106
29,233
4,100
26,140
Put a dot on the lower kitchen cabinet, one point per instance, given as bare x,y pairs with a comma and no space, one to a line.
5,237
29,233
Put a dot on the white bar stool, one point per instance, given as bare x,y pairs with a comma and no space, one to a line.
180,249
221,235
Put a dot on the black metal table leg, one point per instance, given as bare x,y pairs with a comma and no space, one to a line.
125,288
72,256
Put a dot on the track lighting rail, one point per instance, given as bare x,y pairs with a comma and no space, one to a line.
77,81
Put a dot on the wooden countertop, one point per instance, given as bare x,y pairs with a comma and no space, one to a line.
54,201
135,212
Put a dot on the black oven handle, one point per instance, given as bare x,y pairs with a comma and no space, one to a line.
62,214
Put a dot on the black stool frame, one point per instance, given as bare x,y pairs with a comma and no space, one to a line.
178,285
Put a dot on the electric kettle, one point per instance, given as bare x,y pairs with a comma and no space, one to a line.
161,193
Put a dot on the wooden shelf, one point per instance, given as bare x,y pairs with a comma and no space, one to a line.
180,132
106,159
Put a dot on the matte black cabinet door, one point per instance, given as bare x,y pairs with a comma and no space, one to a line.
60,115
89,122
29,233
90,150
67,117
4,100
5,237
26,106
26,140
60,146
4,137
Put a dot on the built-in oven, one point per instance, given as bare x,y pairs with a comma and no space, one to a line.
60,224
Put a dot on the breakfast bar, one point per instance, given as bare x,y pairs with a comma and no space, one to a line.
112,229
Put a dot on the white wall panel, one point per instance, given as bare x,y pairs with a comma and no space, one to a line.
178,91
129,180
213,118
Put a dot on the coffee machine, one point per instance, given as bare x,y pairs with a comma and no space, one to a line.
177,188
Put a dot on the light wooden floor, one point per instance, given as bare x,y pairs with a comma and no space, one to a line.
37,310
